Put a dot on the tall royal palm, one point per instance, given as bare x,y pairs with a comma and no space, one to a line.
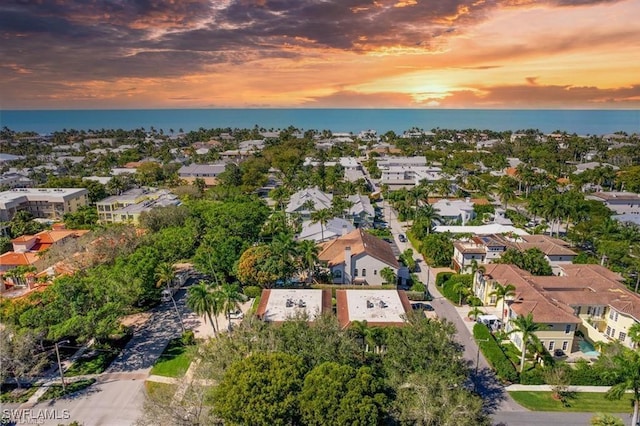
527,327
502,292
202,301
321,216
231,297
429,215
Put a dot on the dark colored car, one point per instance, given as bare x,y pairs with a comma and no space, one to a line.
402,238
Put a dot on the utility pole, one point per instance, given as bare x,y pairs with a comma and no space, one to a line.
64,385
175,307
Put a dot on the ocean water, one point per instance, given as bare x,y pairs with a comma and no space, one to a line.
581,122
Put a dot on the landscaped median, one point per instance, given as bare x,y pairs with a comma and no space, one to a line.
57,391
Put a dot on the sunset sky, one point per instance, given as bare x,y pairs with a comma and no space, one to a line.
320,53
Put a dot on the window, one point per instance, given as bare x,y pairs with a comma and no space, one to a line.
608,332
589,311
337,273
551,345
611,314
355,272
615,317
364,272
565,345
567,329
375,272
622,336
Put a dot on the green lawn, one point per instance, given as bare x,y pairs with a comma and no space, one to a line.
11,393
174,361
56,391
578,402
94,363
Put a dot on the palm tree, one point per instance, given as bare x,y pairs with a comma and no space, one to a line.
502,292
506,192
428,214
388,275
165,274
202,301
231,296
475,312
634,333
309,255
625,371
362,331
322,216
462,289
284,254
527,327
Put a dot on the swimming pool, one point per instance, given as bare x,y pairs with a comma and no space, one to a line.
587,348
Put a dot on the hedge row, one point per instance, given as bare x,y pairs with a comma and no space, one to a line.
581,374
492,351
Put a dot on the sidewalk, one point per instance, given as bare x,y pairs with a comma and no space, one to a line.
547,388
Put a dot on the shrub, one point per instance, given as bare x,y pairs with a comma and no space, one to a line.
532,376
418,286
252,291
442,277
416,295
188,338
504,368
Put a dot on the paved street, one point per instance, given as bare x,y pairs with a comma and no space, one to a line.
505,411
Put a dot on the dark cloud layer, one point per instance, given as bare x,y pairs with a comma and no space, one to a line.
103,40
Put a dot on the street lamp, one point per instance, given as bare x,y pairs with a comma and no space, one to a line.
475,376
64,385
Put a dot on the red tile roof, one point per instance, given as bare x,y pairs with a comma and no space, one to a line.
360,242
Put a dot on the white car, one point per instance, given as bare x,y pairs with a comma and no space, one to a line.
236,314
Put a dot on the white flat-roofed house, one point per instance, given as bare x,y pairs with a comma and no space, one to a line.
279,305
45,203
357,258
378,308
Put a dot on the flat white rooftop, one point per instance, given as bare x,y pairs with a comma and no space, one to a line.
284,304
379,307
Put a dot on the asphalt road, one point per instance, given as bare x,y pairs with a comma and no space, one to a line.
503,409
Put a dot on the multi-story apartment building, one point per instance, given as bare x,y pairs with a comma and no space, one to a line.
44,203
586,298
127,207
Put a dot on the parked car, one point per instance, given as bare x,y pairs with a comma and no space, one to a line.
402,238
236,314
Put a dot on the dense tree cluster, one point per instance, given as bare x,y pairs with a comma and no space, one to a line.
315,374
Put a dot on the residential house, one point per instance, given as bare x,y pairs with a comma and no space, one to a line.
361,212
358,258
455,211
334,228
308,200
488,248
379,308
586,298
279,305
619,202
207,172
27,250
